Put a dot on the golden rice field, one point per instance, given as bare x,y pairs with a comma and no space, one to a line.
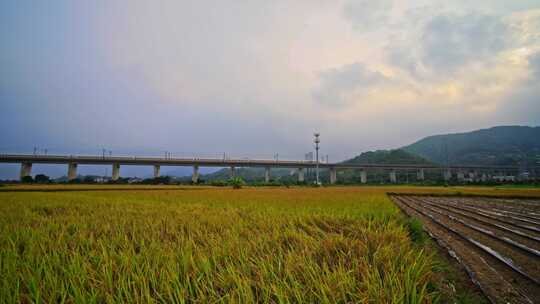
212,245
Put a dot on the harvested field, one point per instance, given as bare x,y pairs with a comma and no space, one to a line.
496,240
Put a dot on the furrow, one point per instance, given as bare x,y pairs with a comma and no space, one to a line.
488,232
500,280
483,221
481,213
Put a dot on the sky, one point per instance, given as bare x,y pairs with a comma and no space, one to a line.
256,78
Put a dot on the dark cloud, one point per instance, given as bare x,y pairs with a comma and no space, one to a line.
450,41
337,84
446,43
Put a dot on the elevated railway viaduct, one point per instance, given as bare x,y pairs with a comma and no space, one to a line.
73,161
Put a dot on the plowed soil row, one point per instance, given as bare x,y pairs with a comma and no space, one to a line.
499,250
528,211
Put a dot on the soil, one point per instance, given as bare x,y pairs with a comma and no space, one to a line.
496,241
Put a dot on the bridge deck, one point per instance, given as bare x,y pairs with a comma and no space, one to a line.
214,162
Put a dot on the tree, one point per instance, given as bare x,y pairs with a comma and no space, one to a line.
27,179
89,179
165,180
42,179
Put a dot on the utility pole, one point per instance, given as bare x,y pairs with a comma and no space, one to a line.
317,141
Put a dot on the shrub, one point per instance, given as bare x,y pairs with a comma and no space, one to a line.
89,179
27,179
165,180
74,181
218,183
237,182
42,178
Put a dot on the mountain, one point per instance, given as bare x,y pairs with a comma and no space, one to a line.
504,145
397,156
345,176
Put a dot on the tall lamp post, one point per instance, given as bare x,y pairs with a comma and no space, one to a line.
317,141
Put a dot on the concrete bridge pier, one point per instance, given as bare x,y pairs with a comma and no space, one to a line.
363,176
156,171
72,171
232,171
301,175
333,175
267,174
195,175
393,178
447,174
115,172
26,169
420,175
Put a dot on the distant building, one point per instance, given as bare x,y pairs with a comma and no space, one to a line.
102,179
132,180
504,178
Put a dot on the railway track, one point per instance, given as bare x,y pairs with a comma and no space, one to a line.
499,249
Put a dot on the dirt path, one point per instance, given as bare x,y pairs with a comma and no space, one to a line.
498,243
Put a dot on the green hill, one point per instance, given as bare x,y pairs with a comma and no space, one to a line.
345,176
397,156
505,145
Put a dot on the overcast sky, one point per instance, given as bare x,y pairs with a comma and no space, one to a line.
254,78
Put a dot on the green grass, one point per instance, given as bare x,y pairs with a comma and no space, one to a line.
416,230
200,245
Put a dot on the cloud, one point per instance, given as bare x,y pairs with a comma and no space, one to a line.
367,14
340,86
441,45
212,77
534,64
451,41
